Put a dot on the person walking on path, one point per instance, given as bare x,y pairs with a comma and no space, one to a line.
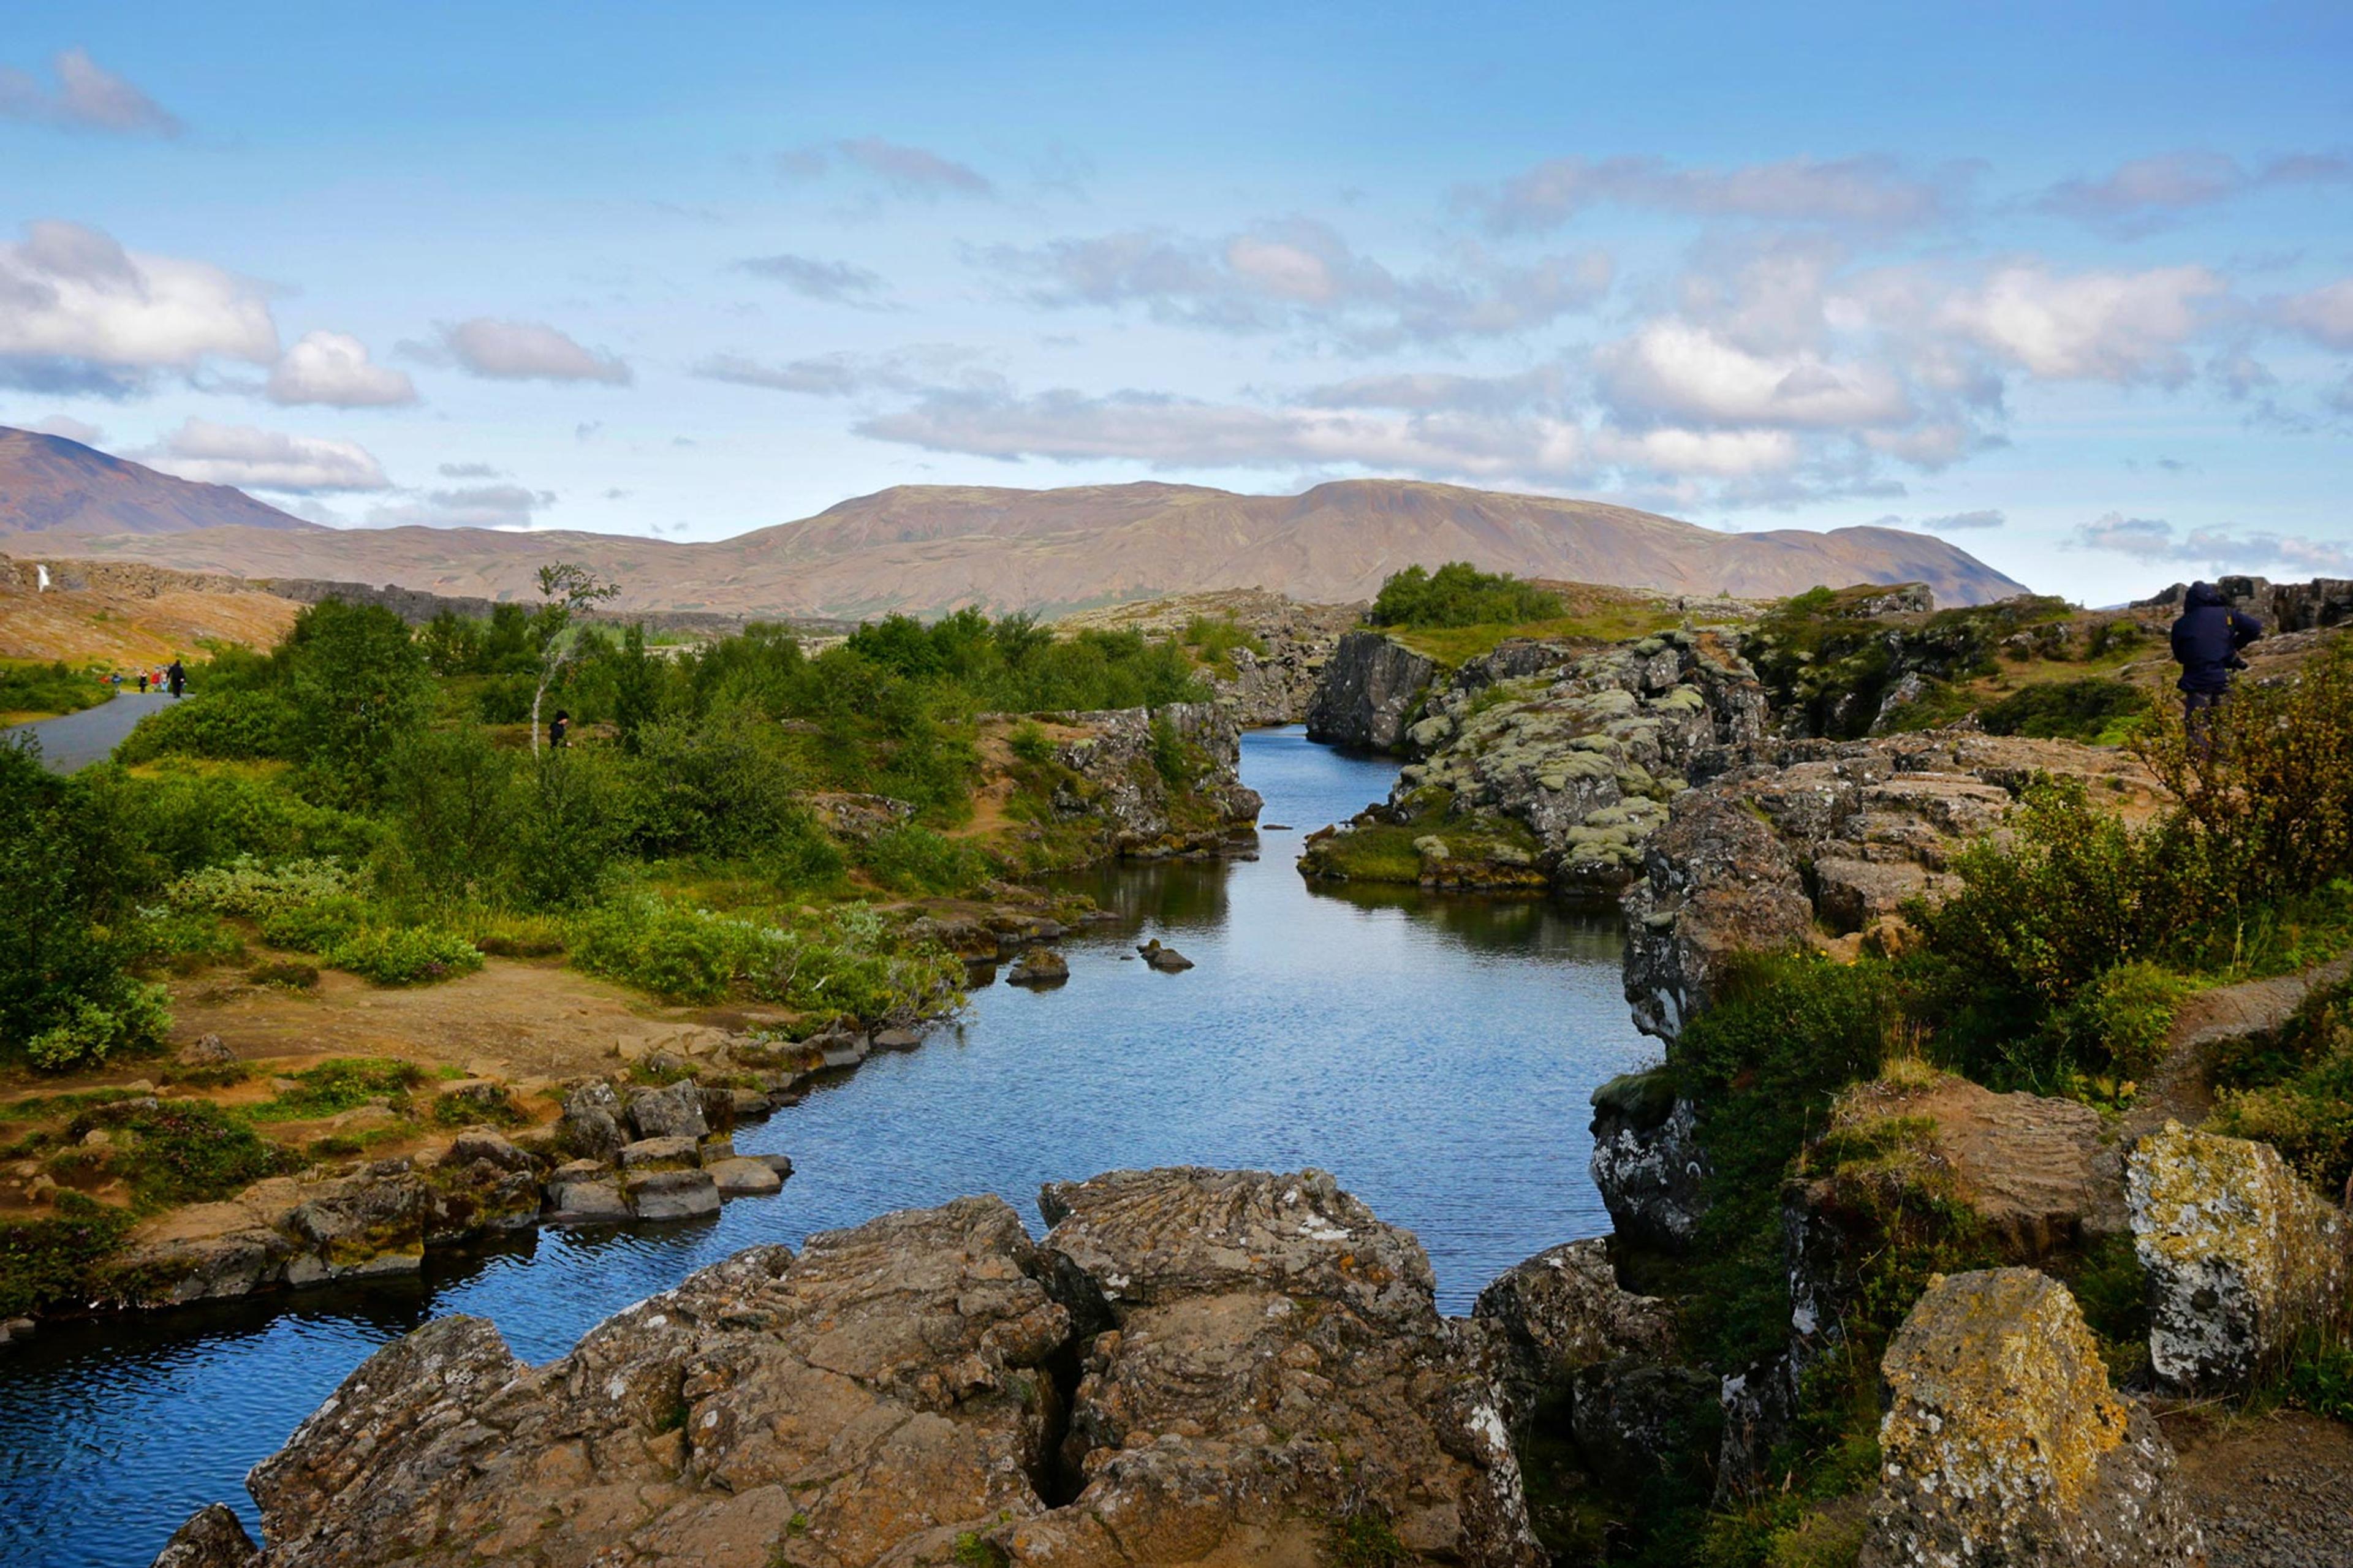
2206,643
142,683
178,678
560,729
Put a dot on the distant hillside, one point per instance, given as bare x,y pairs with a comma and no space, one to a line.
53,489
929,549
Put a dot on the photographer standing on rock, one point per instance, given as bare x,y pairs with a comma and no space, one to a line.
2206,643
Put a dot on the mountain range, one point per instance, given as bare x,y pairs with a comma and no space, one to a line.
927,549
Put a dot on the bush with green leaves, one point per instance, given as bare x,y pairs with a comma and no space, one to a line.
405,955
911,859
340,1084
2294,1088
360,688
315,927
1458,594
53,687
51,1262
186,1150
252,891
842,962
129,1017
2093,708
220,726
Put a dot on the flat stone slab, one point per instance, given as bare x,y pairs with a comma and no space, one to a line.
743,1178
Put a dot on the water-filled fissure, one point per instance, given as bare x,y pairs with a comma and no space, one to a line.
1435,1054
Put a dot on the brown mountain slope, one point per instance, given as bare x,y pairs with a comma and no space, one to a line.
52,489
928,548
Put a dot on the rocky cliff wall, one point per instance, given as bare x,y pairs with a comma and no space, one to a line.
1368,690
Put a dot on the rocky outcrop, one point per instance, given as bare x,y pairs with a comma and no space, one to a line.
1370,688
1563,1311
1040,966
1834,835
2242,1257
1647,1160
1551,763
2004,1441
2281,606
1124,787
1268,680
1195,1366
212,1538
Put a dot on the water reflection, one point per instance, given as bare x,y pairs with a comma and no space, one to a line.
1433,1053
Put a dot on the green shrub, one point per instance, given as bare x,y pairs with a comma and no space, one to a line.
189,1152
1029,743
909,859
1214,639
47,1263
2294,1089
66,881
2087,710
497,1108
339,1085
842,962
1458,594
1176,762
131,1018
246,887
49,688
678,953
2119,1021
220,726
360,690
287,975
405,955
315,927
187,941
187,815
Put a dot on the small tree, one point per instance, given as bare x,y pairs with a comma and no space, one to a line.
567,591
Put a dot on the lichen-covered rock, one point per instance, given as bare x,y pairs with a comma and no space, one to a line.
1552,763
1038,966
1369,687
673,1110
1647,1160
1115,787
671,1193
1563,1310
1823,836
1261,1366
2242,1257
585,1190
1271,1365
2004,1444
212,1538
741,1178
360,1226
482,1185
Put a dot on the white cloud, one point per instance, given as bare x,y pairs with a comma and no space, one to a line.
71,429
509,507
2146,193
1674,369
1299,275
902,170
842,373
264,459
2087,326
1867,192
2218,549
527,350
334,368
88,97
837,283
1951,522
1717,453
2324,314
79,313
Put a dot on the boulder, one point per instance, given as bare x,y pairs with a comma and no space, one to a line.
1270,1368
1038,966
673,1110
212,1538
661,1155
2004,1441
205,1051
585,1190
482,1185
1637,1422
744,1178
1166,960
896,1040
1647,1160
360,1226
591,1126
1369,687
1563,1310
671,1193
2242,1257
839,1047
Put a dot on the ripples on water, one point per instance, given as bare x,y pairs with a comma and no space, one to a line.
1434,1054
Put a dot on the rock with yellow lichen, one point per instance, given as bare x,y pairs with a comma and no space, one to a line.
2004,1441
2242,1257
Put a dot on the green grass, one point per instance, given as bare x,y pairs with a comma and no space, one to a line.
343,1084
1454,647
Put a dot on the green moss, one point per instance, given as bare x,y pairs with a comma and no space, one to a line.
186,1152
339,1085
46,1263
1366,1540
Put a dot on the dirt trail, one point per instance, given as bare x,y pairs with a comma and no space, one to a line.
2178,1090
2269,1491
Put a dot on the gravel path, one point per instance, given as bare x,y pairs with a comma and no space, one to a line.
2271,1491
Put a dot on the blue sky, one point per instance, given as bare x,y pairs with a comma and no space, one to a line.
2072,285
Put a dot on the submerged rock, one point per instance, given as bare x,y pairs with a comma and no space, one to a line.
2242,1257
1260,1370
2004,1441
1038,966
1166,960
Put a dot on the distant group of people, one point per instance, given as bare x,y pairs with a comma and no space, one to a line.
171,678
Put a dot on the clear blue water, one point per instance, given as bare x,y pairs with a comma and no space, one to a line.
1434,1054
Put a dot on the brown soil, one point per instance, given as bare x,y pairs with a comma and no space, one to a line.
130,617
2269,1491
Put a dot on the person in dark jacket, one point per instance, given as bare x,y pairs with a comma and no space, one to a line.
178,677
559,732
2206,643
